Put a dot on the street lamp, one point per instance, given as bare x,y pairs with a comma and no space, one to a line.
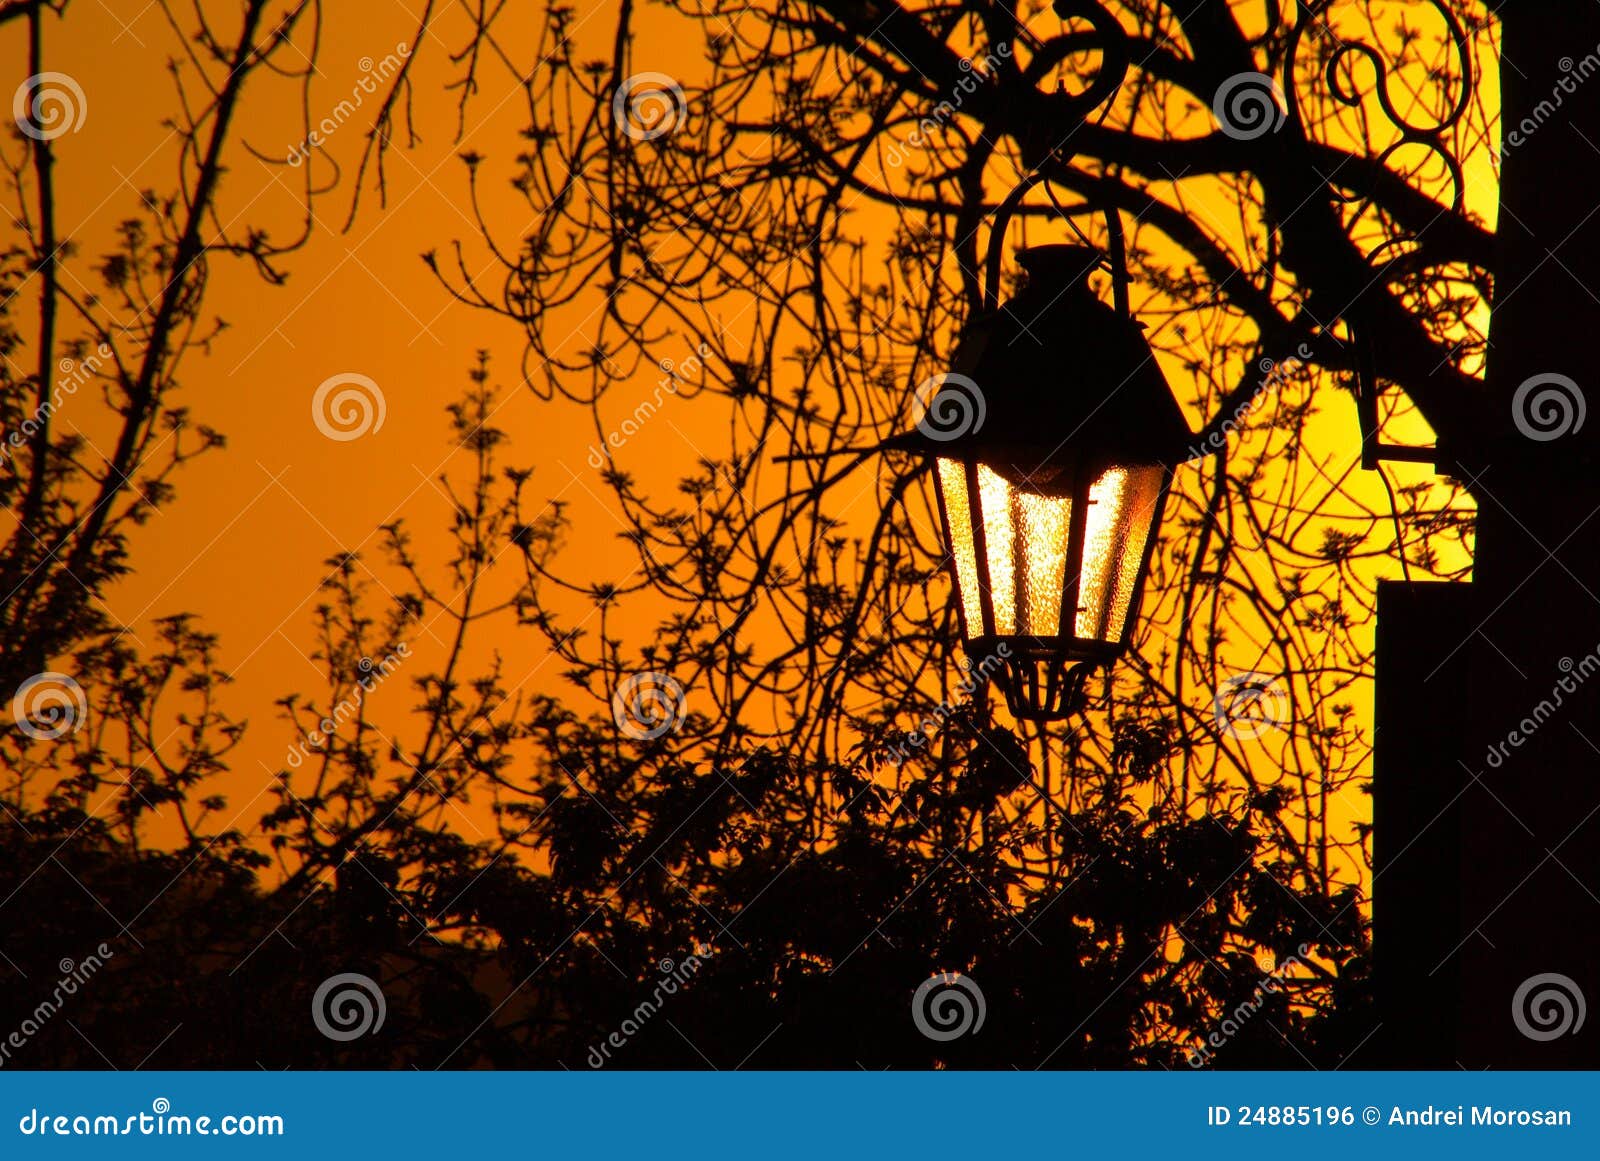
1053,438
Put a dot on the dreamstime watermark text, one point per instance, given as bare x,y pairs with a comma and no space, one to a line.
1573,74
974,74
73,374
73,977
900,752
674,977
1575,673
373,77
160,1121
373,674
1232,1022
667,387
1273,375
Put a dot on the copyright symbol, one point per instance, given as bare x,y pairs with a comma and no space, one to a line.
1370,1115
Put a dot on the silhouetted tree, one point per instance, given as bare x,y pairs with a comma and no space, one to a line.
830,816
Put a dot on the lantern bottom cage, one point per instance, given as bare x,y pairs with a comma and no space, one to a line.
1040,680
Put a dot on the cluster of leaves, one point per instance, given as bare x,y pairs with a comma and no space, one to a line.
1127,953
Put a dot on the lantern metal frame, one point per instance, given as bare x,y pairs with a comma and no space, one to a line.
1034,428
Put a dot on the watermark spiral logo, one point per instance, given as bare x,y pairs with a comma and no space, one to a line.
49,105
648,705
949,406
49,705
649,105
1548,1006
348,406
348,1006
1250,704
948,1006
1548,406
1248,106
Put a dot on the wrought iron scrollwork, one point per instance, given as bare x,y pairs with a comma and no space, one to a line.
1337,70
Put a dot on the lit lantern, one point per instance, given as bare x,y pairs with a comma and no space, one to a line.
1053,439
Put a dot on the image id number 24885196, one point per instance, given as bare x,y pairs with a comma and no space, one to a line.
1246,1116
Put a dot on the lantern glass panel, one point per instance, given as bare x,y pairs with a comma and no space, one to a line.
958,532
1025,531
1121,517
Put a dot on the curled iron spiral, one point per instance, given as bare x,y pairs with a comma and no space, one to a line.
1432,137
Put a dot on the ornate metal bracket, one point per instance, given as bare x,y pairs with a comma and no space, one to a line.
1310,25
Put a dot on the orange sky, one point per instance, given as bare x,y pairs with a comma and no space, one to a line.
243,545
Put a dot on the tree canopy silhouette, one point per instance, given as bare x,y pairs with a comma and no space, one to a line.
834,811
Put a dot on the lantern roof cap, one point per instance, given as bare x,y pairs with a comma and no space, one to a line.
1052,376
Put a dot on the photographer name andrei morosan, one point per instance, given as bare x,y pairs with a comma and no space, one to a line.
1477,1115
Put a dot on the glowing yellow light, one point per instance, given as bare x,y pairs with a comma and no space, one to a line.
1042,523
1025,538
1011,537
1121,513
999,544
958,519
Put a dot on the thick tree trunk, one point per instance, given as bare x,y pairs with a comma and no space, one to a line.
1529,874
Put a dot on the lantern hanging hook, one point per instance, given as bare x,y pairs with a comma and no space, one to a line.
1116,239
